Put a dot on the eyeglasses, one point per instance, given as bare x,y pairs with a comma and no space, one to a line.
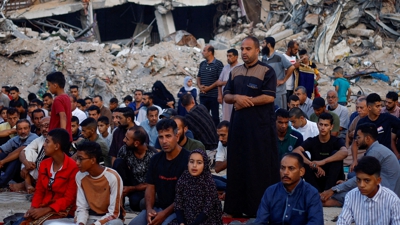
50,184
80,159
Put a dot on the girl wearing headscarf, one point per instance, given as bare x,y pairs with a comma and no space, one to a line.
161,96
187,88
196,199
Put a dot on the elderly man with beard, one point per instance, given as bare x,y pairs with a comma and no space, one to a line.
282,67
126,120
31,157
9,152
132,164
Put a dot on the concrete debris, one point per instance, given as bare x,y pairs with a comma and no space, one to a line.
338,51
361,32
181,38
378,42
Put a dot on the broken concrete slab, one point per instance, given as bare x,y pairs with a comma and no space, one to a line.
338,51
19,47
282,35
352,17
312,19
378,42
361,32
219,45
275,29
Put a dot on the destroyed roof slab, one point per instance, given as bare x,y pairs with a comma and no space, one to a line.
175,3
52,8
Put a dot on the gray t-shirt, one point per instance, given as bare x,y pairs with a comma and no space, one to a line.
343,114
390,172
280,64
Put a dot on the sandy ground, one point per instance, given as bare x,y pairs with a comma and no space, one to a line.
11,203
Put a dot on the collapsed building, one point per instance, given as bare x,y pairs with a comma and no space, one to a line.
105,53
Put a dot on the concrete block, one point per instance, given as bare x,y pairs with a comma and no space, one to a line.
165,24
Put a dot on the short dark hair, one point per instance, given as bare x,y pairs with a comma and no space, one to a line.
296,112
61,136
211,49
368,129
2,109
302,52
128,98
292,43
18,104
271,41
81,101
368,165
98,96
165,124
56,78
182,119
297,156
222,124
294,98
149,94
6,88
372,98
151,108
88,98
73,87
139,134
93,108
91,149
186,99
282,113
14,88
23,121
47,95
114,100
255,41
302,88
90,123
338,69
233,51
128,112
104,119
75,119
392,95
12,111
38,111
326,116
138,90
31,96
38,101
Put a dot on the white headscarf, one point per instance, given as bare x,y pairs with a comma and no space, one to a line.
185,81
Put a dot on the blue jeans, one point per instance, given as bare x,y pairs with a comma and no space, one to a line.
211,104
141,219
70,221
220,182
11,171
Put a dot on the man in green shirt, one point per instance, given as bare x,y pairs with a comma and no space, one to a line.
288,139
185,142
319,108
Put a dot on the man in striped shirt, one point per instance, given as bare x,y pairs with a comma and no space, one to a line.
207,80
370,203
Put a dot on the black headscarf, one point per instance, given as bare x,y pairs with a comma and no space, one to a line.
161,96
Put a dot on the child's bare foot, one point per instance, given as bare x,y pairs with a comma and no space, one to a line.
17,187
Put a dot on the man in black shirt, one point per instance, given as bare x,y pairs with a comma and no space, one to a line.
387,125
14,92
164,171
324,155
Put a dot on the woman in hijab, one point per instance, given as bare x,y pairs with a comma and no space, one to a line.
161,96
196,199
187,88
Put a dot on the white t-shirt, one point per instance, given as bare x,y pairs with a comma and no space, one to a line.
290,81
309,130
80,114
222,155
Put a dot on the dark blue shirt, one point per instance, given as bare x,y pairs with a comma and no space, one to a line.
301,206
208,74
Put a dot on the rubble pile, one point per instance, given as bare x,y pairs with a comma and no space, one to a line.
105,69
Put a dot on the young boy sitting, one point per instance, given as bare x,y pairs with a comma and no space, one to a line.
103,125
99,198
76,132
